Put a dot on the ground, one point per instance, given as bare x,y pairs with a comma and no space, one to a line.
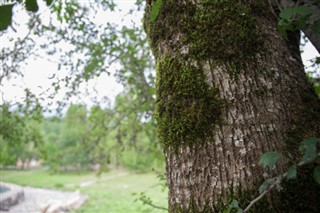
112,192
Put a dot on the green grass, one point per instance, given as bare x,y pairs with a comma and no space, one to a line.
43,179
111,193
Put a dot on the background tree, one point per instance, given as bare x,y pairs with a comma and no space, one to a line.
229,88
20,135
92,51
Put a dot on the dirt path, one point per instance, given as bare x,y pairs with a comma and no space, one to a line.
92,182
48,201
39,200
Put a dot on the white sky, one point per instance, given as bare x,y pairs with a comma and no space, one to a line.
39,70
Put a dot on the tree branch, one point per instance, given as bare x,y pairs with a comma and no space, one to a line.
154,206
313,37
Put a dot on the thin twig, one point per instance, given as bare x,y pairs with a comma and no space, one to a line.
272,10
276,181
279,6
154,206
261,195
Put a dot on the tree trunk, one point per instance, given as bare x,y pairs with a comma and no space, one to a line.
229,88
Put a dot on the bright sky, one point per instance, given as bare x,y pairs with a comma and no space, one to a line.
39,70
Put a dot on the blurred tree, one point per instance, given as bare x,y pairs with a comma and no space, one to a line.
92,49
20,136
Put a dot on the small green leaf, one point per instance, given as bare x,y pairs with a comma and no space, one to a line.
49,2
5,16
234,204
240,210
269,159
227,210
32,5
309,148
155,10
287,14
292,172
282,30
316,174
264,185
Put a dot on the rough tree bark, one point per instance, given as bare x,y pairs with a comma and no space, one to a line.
229,88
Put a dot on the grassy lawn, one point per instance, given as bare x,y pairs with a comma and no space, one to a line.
110,193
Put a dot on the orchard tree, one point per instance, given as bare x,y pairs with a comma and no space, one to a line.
230,87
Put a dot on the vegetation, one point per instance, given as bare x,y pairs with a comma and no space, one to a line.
121,133
82,140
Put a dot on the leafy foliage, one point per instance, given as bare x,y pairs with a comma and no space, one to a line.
32,5
123,134
5,16
234,205
264,186
292,172
309,148
19,136
84,138
287,14
298,18
269,159
155,9
49,2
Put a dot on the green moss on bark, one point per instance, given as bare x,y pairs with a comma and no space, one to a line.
222,31
187,107
183,37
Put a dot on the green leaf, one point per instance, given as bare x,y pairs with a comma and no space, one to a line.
155,10
32,5
264,185
289,12
269,159
240,211
227,210
49,2
282,29
309,148
5,16
234,204
292,172
316,174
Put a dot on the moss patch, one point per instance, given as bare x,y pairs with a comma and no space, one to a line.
222,31
187,108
